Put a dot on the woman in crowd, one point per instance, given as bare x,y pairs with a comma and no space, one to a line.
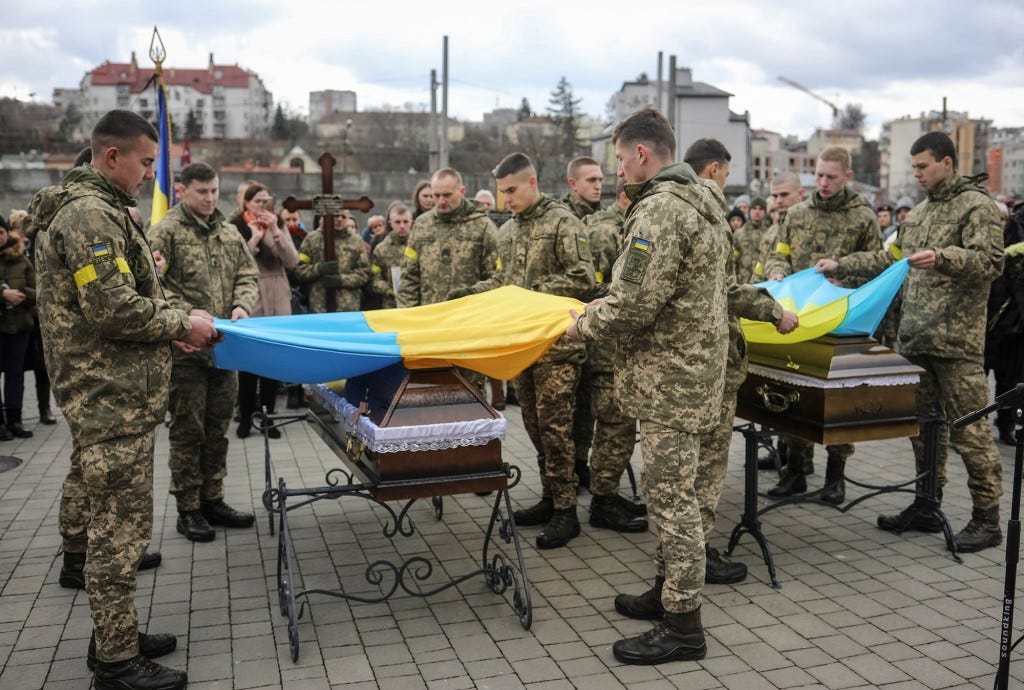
422,198
275,252
17,299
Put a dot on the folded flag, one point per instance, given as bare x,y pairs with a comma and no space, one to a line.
498,333
826,308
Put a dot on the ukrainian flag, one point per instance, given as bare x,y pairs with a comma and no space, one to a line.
826,308
498,333
163,191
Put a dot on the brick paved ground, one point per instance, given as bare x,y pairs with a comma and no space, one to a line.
858,608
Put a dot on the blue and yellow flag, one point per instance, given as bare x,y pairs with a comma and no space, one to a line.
163,189
498,333
826,308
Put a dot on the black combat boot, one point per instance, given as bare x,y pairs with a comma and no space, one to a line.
194,526
43,396
72,572
766,461
564,525
138,673
792,481
609,513
634,508
537,514
150,646
220,514
916,516
981,532
643,607
835,484
718,570
15,426
679,637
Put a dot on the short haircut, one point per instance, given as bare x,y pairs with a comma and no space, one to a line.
84,157
647,126
837,154
250,192
120,128
937,143
447,172
785,177
704,152
512,164
397,208
575,164
484,193
201,172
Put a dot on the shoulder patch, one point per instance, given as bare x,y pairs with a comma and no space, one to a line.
100,252
412,254
583,247
637,259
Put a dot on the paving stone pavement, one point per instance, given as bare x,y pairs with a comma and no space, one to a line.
858,607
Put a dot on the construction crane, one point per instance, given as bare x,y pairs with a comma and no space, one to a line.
830,104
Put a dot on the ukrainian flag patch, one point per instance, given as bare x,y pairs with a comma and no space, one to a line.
641,244
100,250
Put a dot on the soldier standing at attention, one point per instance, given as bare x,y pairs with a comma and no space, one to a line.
749,239
667,308
346,274
710,159
209,267
786,192
835,221
386,257
954,243
106,329
544,247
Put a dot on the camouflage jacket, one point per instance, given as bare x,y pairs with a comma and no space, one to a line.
106,325
767,248
387,255
943,308
748,240
445,252
353,266
545,249
580,208
667,303
824,229
209,267
606,231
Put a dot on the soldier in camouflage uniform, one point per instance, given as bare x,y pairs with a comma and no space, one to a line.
544,247
106,332
710,159
667,307
786,192
585,180
835,221
209,267
346,275
749,239
614,433
386,257
954,244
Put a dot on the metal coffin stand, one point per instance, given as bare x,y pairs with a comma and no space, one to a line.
831,390
402,468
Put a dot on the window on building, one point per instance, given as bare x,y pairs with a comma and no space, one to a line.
143,102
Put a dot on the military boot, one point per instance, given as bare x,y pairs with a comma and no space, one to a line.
564,525
608,513
718,570
981,532
537,514
766,461
679,637
138,673
792,481
916,516
150,646
643,607
835,485
634,508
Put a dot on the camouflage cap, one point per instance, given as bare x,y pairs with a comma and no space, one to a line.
759,201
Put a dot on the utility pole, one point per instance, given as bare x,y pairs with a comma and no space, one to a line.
671,114
442,161
434,134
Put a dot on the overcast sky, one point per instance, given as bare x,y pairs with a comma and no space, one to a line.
894,58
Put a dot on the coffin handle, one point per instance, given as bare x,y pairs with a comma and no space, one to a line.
777,401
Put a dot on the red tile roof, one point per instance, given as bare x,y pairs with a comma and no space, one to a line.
202,80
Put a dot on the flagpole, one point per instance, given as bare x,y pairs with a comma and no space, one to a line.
163,189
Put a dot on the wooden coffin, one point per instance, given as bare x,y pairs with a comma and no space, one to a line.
831,390
415,433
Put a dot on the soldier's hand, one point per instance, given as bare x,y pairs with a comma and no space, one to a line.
327,268
202,334
923,259
826,266
788,322
239,313
159,261
572,333
776,276
458,293
330,280
201,313
182,346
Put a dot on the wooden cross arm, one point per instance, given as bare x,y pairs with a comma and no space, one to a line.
328,204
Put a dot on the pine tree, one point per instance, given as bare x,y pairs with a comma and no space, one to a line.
193,128
280,131
564,110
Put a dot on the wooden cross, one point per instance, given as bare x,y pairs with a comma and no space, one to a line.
327,204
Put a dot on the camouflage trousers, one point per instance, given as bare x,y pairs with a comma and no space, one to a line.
546,393
583,415
202,400
614,437
801,450
669,476
954,387
714,458
117,477
73,519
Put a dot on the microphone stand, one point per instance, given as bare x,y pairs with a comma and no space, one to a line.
1013,398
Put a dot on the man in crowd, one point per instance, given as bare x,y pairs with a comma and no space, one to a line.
786,192
585,180
749,239
106,329
346,274
386,257
209,267
667,307
835,221
544,247
954,243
